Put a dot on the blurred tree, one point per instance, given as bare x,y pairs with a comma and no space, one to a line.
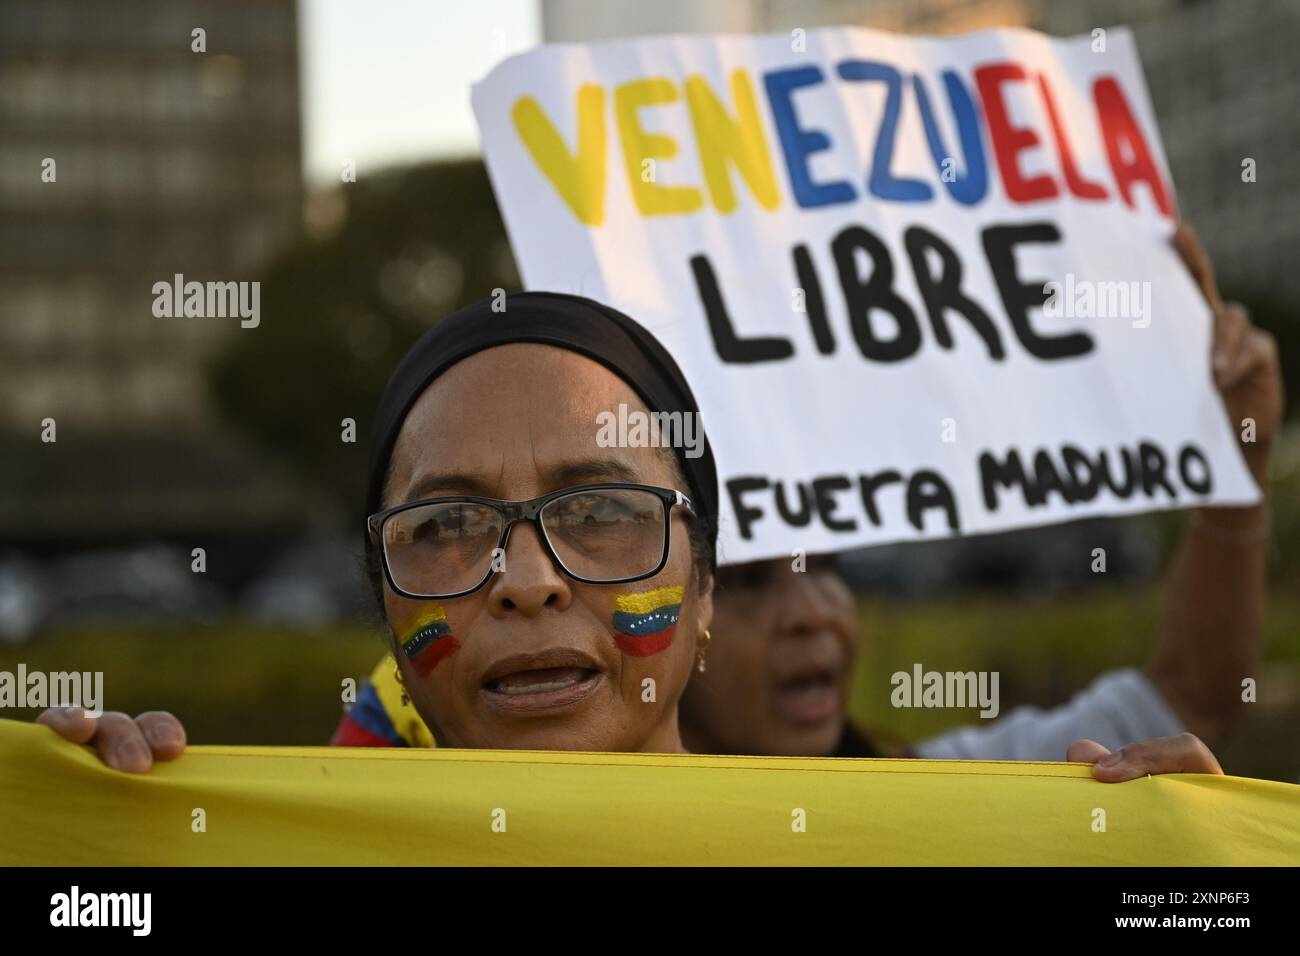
382,260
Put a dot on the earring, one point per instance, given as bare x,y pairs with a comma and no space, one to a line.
397,676
702,651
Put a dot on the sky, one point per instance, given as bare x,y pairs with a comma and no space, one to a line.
387,81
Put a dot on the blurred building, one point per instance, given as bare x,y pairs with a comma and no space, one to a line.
1222,77
142,139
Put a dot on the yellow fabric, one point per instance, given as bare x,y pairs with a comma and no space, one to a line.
406,721
292,805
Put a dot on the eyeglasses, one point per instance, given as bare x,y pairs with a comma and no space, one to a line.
440,548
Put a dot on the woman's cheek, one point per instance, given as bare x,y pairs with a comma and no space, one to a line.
645,623
426,639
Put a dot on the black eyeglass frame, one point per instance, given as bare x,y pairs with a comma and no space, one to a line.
529,510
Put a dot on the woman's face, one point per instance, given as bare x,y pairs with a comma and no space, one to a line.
531,660
780,663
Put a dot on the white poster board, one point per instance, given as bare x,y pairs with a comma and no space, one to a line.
921,287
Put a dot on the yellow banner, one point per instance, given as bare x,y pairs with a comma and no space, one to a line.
332,806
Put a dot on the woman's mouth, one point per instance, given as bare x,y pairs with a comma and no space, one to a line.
809,698
534,683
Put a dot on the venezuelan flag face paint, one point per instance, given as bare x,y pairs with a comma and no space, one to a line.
644,623
429,640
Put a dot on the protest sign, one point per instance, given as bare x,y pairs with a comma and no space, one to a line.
921,286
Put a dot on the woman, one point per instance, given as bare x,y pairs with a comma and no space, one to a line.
541,591
576,627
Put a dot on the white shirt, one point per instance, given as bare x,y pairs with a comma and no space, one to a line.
1119,707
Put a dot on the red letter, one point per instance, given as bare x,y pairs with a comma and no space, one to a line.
1078,185
1121,132
1010,140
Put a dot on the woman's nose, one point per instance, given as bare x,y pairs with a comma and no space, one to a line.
805,608
527,579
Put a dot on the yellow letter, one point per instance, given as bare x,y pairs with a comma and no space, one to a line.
740,141
638,146
578,178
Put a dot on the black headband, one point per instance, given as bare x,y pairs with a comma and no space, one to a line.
565,321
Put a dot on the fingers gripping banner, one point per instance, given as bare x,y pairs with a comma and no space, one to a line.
59,805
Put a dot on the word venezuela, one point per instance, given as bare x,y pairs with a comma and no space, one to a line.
733,135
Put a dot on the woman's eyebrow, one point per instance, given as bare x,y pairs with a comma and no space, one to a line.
592,469
448,483
570,473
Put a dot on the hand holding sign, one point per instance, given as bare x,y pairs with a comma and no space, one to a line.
921,286
1245,360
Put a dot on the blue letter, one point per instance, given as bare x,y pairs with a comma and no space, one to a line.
970,188
798,143
881,183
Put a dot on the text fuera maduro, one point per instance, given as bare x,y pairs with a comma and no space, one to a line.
845,503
